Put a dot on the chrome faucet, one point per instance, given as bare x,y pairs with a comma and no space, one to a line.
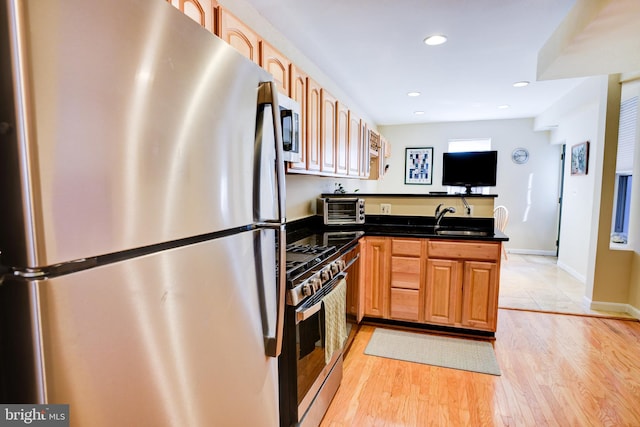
441,213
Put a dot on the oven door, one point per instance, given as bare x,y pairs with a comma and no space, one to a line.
313,343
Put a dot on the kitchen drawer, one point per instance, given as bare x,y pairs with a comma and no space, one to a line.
406,247
488,251
404,304
405,272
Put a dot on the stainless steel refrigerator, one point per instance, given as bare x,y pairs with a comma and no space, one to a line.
142,218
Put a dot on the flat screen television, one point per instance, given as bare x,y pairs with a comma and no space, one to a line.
470,169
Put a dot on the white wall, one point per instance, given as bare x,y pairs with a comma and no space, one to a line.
303,190
577,117
578,197
529,191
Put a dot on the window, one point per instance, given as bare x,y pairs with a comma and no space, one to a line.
624,169
462,145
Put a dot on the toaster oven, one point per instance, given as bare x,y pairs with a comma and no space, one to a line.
341,210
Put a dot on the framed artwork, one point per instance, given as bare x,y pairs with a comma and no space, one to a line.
418,165
580,158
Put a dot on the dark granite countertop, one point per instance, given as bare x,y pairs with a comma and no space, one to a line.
388,195
451,228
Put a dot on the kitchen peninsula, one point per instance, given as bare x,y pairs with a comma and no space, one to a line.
413,273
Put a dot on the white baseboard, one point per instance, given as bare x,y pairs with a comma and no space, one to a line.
581,277
614,307
531,252
635,312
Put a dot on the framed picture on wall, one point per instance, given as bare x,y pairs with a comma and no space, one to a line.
580,158
418,165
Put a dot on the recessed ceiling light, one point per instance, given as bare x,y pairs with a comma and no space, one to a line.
418,113
521,84
504,106
413,94
435,39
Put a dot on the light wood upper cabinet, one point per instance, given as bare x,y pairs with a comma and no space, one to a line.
201,11
334,142
277,65
365,158
342,139
355,145
376,153
240,36
314,126
328,130
299,93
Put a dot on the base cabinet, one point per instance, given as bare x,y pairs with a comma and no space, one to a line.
440,282
480,295
443,291
376,251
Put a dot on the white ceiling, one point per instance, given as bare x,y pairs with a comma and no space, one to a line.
374,50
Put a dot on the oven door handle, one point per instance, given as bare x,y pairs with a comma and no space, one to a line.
346,267
306,312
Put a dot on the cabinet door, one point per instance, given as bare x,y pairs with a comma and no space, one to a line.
277,65
299,93
376,277
201,11
328,129
480,295
443,291
342,139
314,106
353,284
355,145
240,36
365,166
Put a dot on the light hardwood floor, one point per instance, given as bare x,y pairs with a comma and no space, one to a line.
557,370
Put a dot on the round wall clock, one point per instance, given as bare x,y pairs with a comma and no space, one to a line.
520,155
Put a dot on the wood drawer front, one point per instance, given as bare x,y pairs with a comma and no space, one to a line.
406,247
464,250
405,272
404,304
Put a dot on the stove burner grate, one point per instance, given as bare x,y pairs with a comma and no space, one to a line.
304,257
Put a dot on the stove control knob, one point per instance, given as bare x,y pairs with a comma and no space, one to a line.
317,284
326,274
307,289
336,268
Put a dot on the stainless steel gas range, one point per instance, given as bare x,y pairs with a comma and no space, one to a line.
310,368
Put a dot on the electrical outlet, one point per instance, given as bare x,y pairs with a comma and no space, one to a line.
385,208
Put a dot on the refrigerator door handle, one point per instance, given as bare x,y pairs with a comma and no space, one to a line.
268,95
273,344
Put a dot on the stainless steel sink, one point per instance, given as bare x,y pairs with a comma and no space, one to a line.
462,233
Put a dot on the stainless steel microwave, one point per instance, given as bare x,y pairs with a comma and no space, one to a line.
341,210
290,120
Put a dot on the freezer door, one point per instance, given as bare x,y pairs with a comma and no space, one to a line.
131,125
170,339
